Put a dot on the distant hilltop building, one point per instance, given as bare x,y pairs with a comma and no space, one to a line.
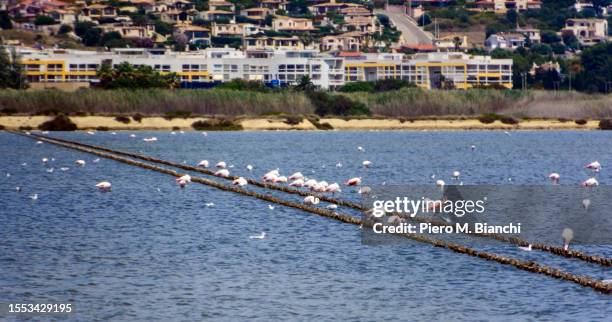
505,40
588,31
262,62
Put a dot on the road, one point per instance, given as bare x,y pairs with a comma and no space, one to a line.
411,33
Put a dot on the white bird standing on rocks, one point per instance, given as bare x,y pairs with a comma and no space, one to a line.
186,178
221,165
203,163
527,249
296,176
240,181
297,183
104,186
333,188
224,173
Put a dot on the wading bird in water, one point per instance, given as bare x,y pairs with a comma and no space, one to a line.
554,177
353,181
590,182
595,166
104,186
260,236
311,200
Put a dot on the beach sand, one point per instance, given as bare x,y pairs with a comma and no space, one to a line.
258,124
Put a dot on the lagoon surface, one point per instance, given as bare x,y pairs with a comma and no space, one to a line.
151,251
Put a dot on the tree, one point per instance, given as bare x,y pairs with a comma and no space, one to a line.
64,29
125,75
305,84
42,20
550,37
11,72
5,20
163,28
596,74
92,37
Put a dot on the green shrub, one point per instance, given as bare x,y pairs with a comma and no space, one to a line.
320,126
216,125
177,114
175,128
605,124
489,118
244,85
59,123
563,120
137,117
293,119
581,121
8,111
102,128
509,120
25,128
327,104
48,112
122,119
1,127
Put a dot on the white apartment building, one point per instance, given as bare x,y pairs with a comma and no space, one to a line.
274,66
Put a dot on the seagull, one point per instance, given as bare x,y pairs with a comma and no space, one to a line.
367,163
24,164
249,167
527,249
473,147
440,183
34,196
113,133
132,135
360,148
50,170
64,168
339,165
39,142
18,189
209,204
45,160
151,139
203,163
205,134
80,163
8,174
96,160
586,203
260,236
271,207
104,186
91,132
332,206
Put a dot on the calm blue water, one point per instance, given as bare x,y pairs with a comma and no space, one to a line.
150,251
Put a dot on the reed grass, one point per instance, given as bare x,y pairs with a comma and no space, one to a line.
410,103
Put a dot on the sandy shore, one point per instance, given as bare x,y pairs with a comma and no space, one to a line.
259,124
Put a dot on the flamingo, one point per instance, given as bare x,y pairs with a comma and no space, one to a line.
203,163
590,182
80,163
310,183
353,181
296,176
281,179
311,200
271,175
456,175
364,190
181,183
333,188
554,177
595,166
240,181
360,148
297,183
104,186
221,165
224,173
186,178
367,163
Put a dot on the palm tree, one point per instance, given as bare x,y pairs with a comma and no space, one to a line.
305,84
